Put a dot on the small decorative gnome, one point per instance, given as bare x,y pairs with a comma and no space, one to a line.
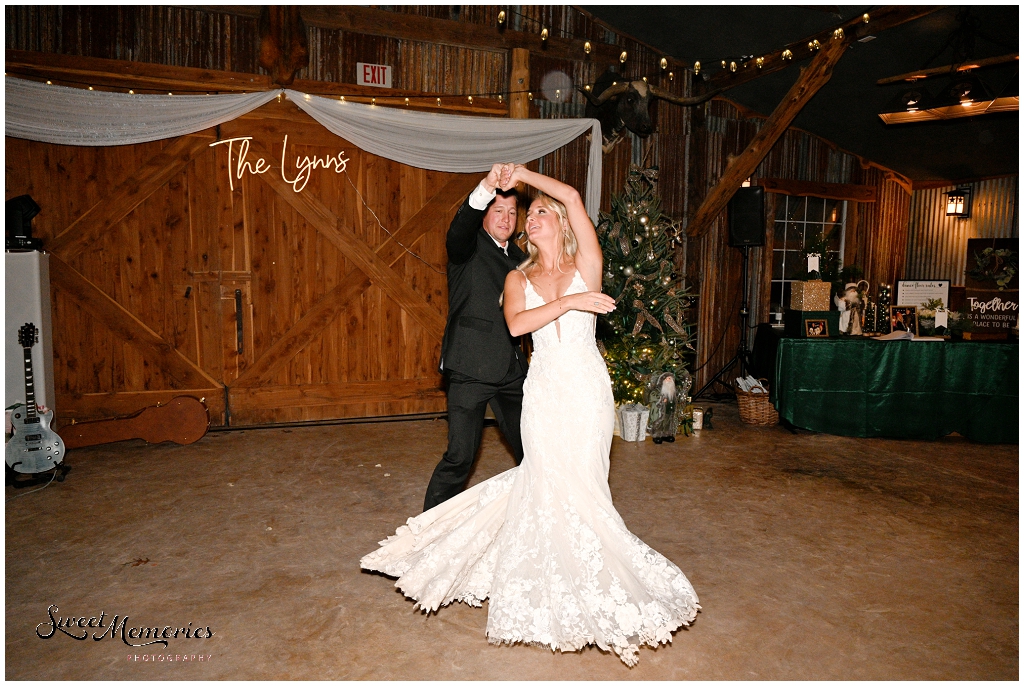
661,398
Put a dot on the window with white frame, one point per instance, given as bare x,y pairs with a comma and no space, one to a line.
800,222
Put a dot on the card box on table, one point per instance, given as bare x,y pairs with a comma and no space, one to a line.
812,296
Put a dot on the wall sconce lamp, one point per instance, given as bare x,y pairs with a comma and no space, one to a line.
958,202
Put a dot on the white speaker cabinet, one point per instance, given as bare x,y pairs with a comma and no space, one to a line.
28,300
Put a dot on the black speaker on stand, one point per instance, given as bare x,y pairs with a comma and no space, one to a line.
746,231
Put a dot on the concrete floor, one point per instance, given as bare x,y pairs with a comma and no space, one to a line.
814,556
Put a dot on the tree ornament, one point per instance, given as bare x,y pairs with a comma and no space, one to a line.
637,338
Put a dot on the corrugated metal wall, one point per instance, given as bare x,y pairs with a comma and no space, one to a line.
937,246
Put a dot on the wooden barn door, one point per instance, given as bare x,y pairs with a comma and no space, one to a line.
178,270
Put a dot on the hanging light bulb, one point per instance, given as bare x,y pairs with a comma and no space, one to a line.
470,99
838,34
501,17
544,34
787,54
664,63
587,47
623,56
407,102
373,101
760,62
671,76
732,66
723,64
529,96
696,68
439,102
866,18
341,98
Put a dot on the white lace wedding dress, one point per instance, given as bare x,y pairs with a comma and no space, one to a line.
542,542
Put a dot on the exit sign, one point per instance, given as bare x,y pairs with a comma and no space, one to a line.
373,75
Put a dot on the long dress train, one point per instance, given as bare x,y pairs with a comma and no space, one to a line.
543,541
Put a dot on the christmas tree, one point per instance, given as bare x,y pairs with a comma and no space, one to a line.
648,331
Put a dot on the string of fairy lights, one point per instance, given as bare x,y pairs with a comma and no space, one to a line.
731,64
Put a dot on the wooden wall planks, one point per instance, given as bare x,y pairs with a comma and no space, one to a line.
172,263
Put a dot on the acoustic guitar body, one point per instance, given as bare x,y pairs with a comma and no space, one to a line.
184,420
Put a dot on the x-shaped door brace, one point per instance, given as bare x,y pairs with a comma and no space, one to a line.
374,265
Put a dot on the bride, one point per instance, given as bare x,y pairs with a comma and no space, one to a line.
542,542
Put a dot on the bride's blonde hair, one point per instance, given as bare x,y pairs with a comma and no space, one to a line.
568,248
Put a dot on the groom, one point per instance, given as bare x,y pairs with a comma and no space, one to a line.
481,361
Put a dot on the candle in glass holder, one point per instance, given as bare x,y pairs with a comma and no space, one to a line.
698,418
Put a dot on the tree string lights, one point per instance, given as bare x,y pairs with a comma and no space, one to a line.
648,332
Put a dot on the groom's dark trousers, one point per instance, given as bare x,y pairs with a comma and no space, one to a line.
481,362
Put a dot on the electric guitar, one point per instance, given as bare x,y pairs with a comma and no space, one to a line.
34,447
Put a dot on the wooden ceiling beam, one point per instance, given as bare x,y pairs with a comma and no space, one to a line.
833,191
816,75
879,20
71,70
97,71
948,69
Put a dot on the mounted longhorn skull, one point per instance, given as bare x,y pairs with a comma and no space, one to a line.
622,105
284,47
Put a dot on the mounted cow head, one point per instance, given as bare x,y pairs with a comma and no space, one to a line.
622,105
284,47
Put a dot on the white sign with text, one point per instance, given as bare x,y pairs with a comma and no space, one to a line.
919,292
373,75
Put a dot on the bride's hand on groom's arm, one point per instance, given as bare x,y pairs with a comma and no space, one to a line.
590,301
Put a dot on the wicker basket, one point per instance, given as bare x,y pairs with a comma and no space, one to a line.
756,408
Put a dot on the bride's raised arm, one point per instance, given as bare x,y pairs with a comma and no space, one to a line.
589,259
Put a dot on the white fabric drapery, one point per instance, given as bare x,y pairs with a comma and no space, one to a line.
75,116
441,142
454,143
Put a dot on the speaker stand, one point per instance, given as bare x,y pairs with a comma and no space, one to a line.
742,356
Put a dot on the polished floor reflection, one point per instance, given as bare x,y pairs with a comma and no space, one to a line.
814,556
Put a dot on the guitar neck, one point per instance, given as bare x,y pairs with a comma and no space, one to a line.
31,415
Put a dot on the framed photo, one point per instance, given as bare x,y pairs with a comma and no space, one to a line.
903,318
816,328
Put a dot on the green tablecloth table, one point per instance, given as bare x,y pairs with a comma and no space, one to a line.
898,389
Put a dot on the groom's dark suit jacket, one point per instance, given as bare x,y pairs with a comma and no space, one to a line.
476,339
